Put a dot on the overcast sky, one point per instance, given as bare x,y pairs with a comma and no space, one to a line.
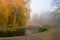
38,6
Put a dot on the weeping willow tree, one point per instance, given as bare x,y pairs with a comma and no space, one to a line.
13,14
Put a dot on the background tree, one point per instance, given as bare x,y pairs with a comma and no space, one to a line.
56,3
56,13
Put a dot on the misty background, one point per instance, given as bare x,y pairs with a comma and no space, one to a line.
44,12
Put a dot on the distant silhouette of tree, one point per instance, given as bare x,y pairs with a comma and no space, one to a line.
56,3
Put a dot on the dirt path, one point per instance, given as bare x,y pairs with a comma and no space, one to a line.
58,33
48,35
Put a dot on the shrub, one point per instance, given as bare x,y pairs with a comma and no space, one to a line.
18,32
41,29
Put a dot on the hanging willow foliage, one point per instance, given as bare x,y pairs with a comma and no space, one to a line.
13,14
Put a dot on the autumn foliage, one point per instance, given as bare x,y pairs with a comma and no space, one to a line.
13,14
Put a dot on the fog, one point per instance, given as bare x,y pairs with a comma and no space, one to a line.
47,15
